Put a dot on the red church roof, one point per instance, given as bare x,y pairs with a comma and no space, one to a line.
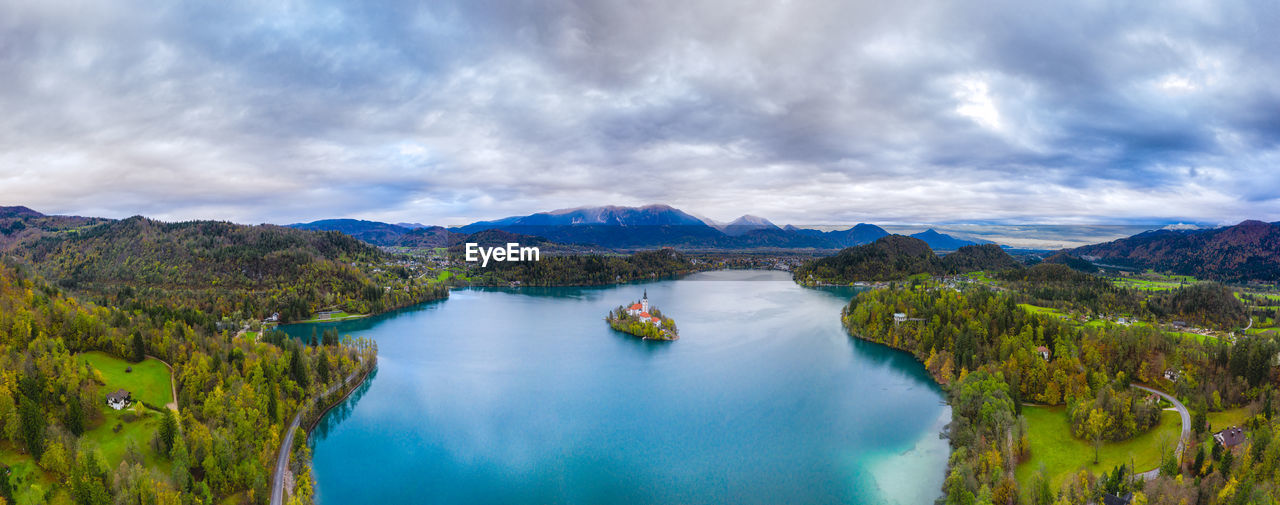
635,306
644,315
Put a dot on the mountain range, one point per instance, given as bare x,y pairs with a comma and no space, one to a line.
1246,251
618,227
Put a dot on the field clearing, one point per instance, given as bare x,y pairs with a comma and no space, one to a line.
980,275
1147,285
336,316
1036,309
1196,336
1228,418
1061,454
148,382
29,481
138,433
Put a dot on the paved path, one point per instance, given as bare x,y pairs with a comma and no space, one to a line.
282,458
1186,427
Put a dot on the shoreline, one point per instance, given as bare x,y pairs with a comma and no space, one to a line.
285,452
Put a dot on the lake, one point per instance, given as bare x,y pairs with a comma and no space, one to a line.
526,396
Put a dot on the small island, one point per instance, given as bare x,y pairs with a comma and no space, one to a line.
644,321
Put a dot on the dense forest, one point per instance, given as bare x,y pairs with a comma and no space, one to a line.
202,271
889,258
584,269
233,398
984,345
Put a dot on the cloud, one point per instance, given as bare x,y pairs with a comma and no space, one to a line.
804,112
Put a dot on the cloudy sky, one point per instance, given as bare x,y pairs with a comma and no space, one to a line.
800,111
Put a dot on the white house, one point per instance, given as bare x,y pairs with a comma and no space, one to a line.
119,399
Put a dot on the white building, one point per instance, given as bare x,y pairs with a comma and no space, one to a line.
119,399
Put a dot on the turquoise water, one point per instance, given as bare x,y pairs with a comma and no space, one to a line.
526,396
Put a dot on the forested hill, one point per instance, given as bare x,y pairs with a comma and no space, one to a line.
383,234
20,225
1244,252
896,257
203,269
979,257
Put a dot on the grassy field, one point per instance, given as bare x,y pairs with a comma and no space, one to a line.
112,444
336,316
1227,418
980,276
1194,336
148,382
1154,281
1036,309
29,481
1061,454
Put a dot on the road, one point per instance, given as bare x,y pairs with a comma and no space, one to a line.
1186,427
282,458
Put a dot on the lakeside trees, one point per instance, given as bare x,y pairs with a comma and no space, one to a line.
987,348
585,270
220,444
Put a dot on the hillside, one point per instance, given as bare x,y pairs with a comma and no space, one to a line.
979,257
941,241
1245,252
1072,261
20,225
382,234
889,258
896,257
217,268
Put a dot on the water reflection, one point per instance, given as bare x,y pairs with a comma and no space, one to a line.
343,410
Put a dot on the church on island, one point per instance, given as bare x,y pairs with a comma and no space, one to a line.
640,310
643,320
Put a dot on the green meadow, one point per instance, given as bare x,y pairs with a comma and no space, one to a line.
1061,454
148,381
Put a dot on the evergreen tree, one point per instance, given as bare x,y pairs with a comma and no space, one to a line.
33,426
168,431
297,369
139,348
74,418
323,368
